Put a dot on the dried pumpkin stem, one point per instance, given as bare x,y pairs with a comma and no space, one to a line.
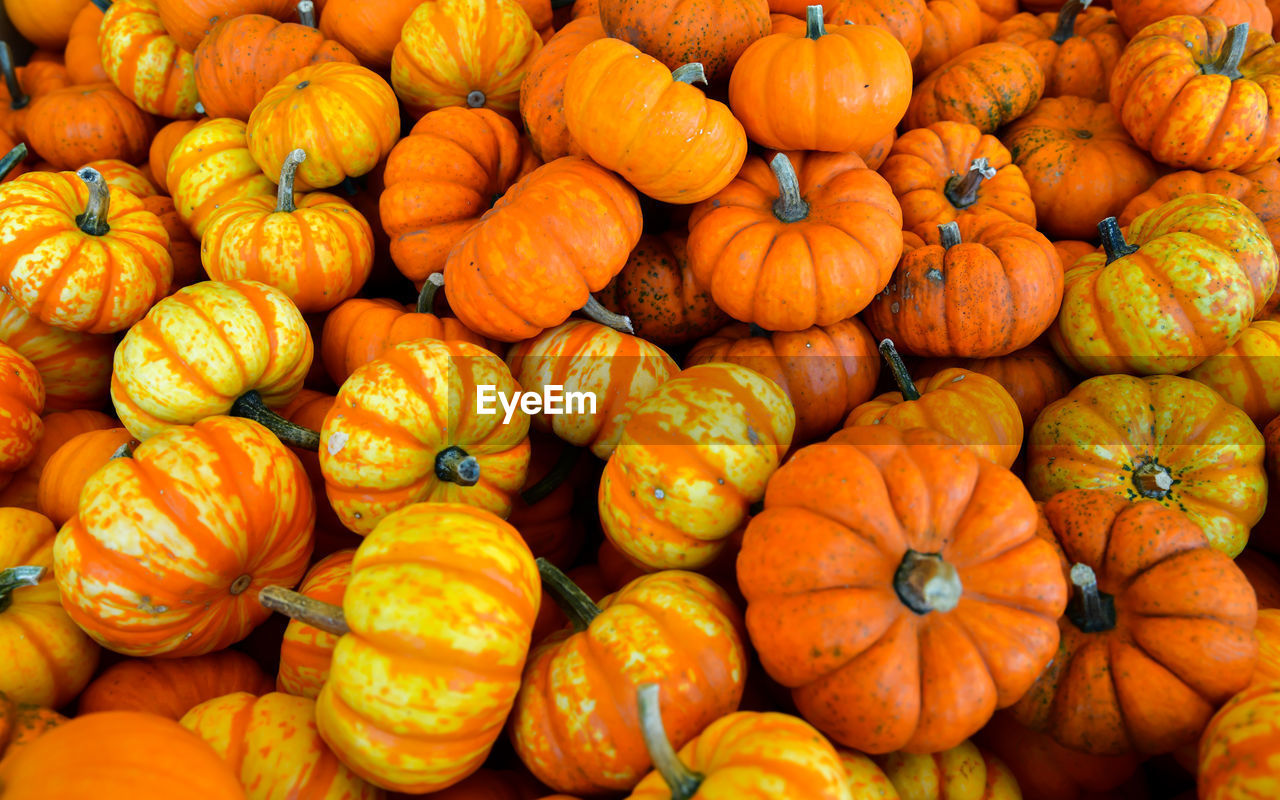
790,206
690,74
12,159
962,191
1113,242
1152,479
576,605
103,5
949,234
250,406
924,583
476,99
900,375
681,781
1090,610
295,605
1067,20
1228,61
554,478
94,219
15,578
17,98
427,297
288,171
455,465
593,310
814,29
307,13
124,451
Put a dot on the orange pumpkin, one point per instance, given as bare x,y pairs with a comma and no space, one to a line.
170,687
72,464
678,32
542,92
1237,748
123,175
211,166
45,25
1135,15
83,55
950,28
1048,771
1033,377
20,723
59,428
74,367
369,30
21,403
145,62
73,126
162,147
1076,47
306,650
988,86
190,21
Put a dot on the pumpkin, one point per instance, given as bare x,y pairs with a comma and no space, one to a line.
866,781
45,25
243,57
184,250
21,723
170,687
950,28
1079,162
441,178
471,53
21,402
272,743
837,90
988,86
48,660
71,465
543,511
407,427
170,545
145,62
1236,750
804,239
609,372
961,771
1246,373
1032,376
902,18
1076,48
1136,306
630,114
847,519
74,367
190,21
306,650
1169,93
211,166
1267,634
578,222
1164,438
22,85
361,122
83,54
678,32
123,175
162,147
658,292
825,371
980,287
551,618
1135,16
950,170
542,91
575,719
1158,633
122,752
72,126
11,162
59,427
369,30
969,406
200,350
1072,250
693,457
1048,771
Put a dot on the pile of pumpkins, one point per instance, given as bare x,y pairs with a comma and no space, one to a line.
927,366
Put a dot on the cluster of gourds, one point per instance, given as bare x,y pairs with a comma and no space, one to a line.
1040,565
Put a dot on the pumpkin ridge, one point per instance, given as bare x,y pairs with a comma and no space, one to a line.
494,585
36,642
1177,312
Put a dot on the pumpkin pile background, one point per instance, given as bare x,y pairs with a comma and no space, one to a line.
935,352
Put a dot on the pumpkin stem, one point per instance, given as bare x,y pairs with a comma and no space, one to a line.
1090,610
682,782
250,406
284,192
924,583
295,605
124,451
455,465
814,29
790,206
1228,61
690,74
17,98
593,310
427,297
554,478
1067,20
476,99
307,13
1113,240
103,5
949,234
12,159
899,370
576,605
15,578
1152,479
962,191
94,219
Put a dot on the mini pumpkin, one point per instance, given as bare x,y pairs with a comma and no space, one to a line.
1247,372
950,28
1236,750
73,126
965,770
306,651
170,687
211,166
1048,771
21,403
1134,15
71,465
20,723
1033,376
190,21
369,30
679,32
144,62
83,54
74,367
542,91
161,149
902,18
59,428
1077,47
987,86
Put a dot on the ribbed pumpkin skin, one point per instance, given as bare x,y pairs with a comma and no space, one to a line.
1079,67
441,606
59,428
1267,635
1134,15
620,370
678,32
306,652
209,167
145,63
1149,312
963,771
1048,771
1210,448
83,55
190,21
396,414
1189,120
542,92
124,175
272,743
72,126
71,279
578,222
1032,376
75,368
1247,372
575,719
21,403
866,781
694,456
665,137
48,660
170,687
451,48
361,123
788,276
950,28
71,466
369,30
987,86
149,563
825,371
1238,747
923,164
161,149
198,350
441,178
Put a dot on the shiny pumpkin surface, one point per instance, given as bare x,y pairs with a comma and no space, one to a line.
21,402
987,86
1162,438
381,443
1080,64
964,772
200,349
145,62
211,166
74,367
694,456
70,466
369,30
542,91
306,650
1237,751
1247,372
441,606
170,547
950,27
170,687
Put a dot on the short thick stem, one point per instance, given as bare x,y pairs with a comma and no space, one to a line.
790,206
962,190
1113,242
294,605
899,370
1227,63
1090,610
576,605
12,159
596,312
949,234
1067,20
554,478
250,406
690,74
681,781
814,29
17,98
124,451
16,578
307,13
924,583
427,297
476,99
1152,479
455,465
288,171
103,5
94,219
